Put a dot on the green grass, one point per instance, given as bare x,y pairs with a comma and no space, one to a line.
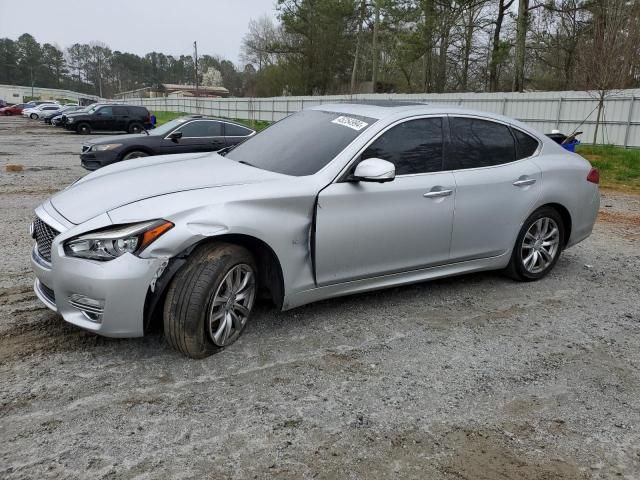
619,167
164,117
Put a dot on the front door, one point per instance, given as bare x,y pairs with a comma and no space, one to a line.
198,136
366,229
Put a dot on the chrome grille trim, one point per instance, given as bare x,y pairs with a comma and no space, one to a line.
44,235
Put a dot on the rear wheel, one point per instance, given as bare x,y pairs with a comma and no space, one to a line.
83,129
136,128
33,116
135,154
538,246
209,301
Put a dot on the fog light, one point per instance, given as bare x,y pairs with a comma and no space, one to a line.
91,308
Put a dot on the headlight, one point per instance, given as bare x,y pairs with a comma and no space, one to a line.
108,146
113,242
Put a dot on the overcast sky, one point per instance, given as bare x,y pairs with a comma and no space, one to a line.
168,26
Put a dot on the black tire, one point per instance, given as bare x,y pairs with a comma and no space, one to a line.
83,129
191,294
33,116
136,127
516,268
134,154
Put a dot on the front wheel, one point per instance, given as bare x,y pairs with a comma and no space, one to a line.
538,246
33,116
135,154
83,129
209,301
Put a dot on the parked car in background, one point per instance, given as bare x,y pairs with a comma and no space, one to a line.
68,109
43,109
188,134
330,201
13,109
109,117
33,104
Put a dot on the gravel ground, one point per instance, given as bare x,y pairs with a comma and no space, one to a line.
475,377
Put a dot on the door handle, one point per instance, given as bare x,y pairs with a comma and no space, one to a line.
438,193
524,182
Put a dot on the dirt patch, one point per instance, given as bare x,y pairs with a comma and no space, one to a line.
620,218
485,456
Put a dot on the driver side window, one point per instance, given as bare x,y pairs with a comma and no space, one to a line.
414,146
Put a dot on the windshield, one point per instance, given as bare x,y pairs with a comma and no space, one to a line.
167,127
302,143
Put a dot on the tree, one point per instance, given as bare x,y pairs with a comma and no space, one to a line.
610,54
212,77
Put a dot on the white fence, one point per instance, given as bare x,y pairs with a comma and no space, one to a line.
544,111
16,93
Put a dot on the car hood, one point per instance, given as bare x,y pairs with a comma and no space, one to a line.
124,139
133,180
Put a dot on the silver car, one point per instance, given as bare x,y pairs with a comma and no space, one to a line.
330,201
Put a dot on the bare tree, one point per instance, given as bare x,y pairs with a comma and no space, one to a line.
609,53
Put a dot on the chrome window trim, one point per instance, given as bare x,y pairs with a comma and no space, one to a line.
192,121
253,132
501,122
344,170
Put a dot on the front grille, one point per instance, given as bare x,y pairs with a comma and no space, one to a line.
44,235
47,292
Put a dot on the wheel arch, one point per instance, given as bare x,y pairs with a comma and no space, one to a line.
270,275
132,148
566,218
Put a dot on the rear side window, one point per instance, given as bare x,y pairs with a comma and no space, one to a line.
137,111
201,128
120,111
236,130
413,147
527,145
479,143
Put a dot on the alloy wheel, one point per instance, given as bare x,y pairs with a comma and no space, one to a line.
540,245
232,305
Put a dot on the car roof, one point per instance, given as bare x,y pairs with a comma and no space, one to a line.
196,116
382,110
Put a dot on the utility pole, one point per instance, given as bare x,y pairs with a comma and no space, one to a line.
376,53
195,56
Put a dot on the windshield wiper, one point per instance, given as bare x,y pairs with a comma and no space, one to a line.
225,150
247,163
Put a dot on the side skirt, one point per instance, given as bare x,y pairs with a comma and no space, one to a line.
393,280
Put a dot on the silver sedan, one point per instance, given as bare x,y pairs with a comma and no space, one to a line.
331,201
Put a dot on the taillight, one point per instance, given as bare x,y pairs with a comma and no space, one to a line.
594,176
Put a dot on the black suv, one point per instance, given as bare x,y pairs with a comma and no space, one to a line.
128,118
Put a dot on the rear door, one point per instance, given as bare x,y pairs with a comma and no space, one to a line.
121,118
496,186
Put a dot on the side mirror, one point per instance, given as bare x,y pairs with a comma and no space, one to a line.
374,170
175,136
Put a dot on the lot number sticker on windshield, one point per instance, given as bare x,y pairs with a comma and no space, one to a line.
353,123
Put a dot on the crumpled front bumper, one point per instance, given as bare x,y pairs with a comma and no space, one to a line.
121,285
